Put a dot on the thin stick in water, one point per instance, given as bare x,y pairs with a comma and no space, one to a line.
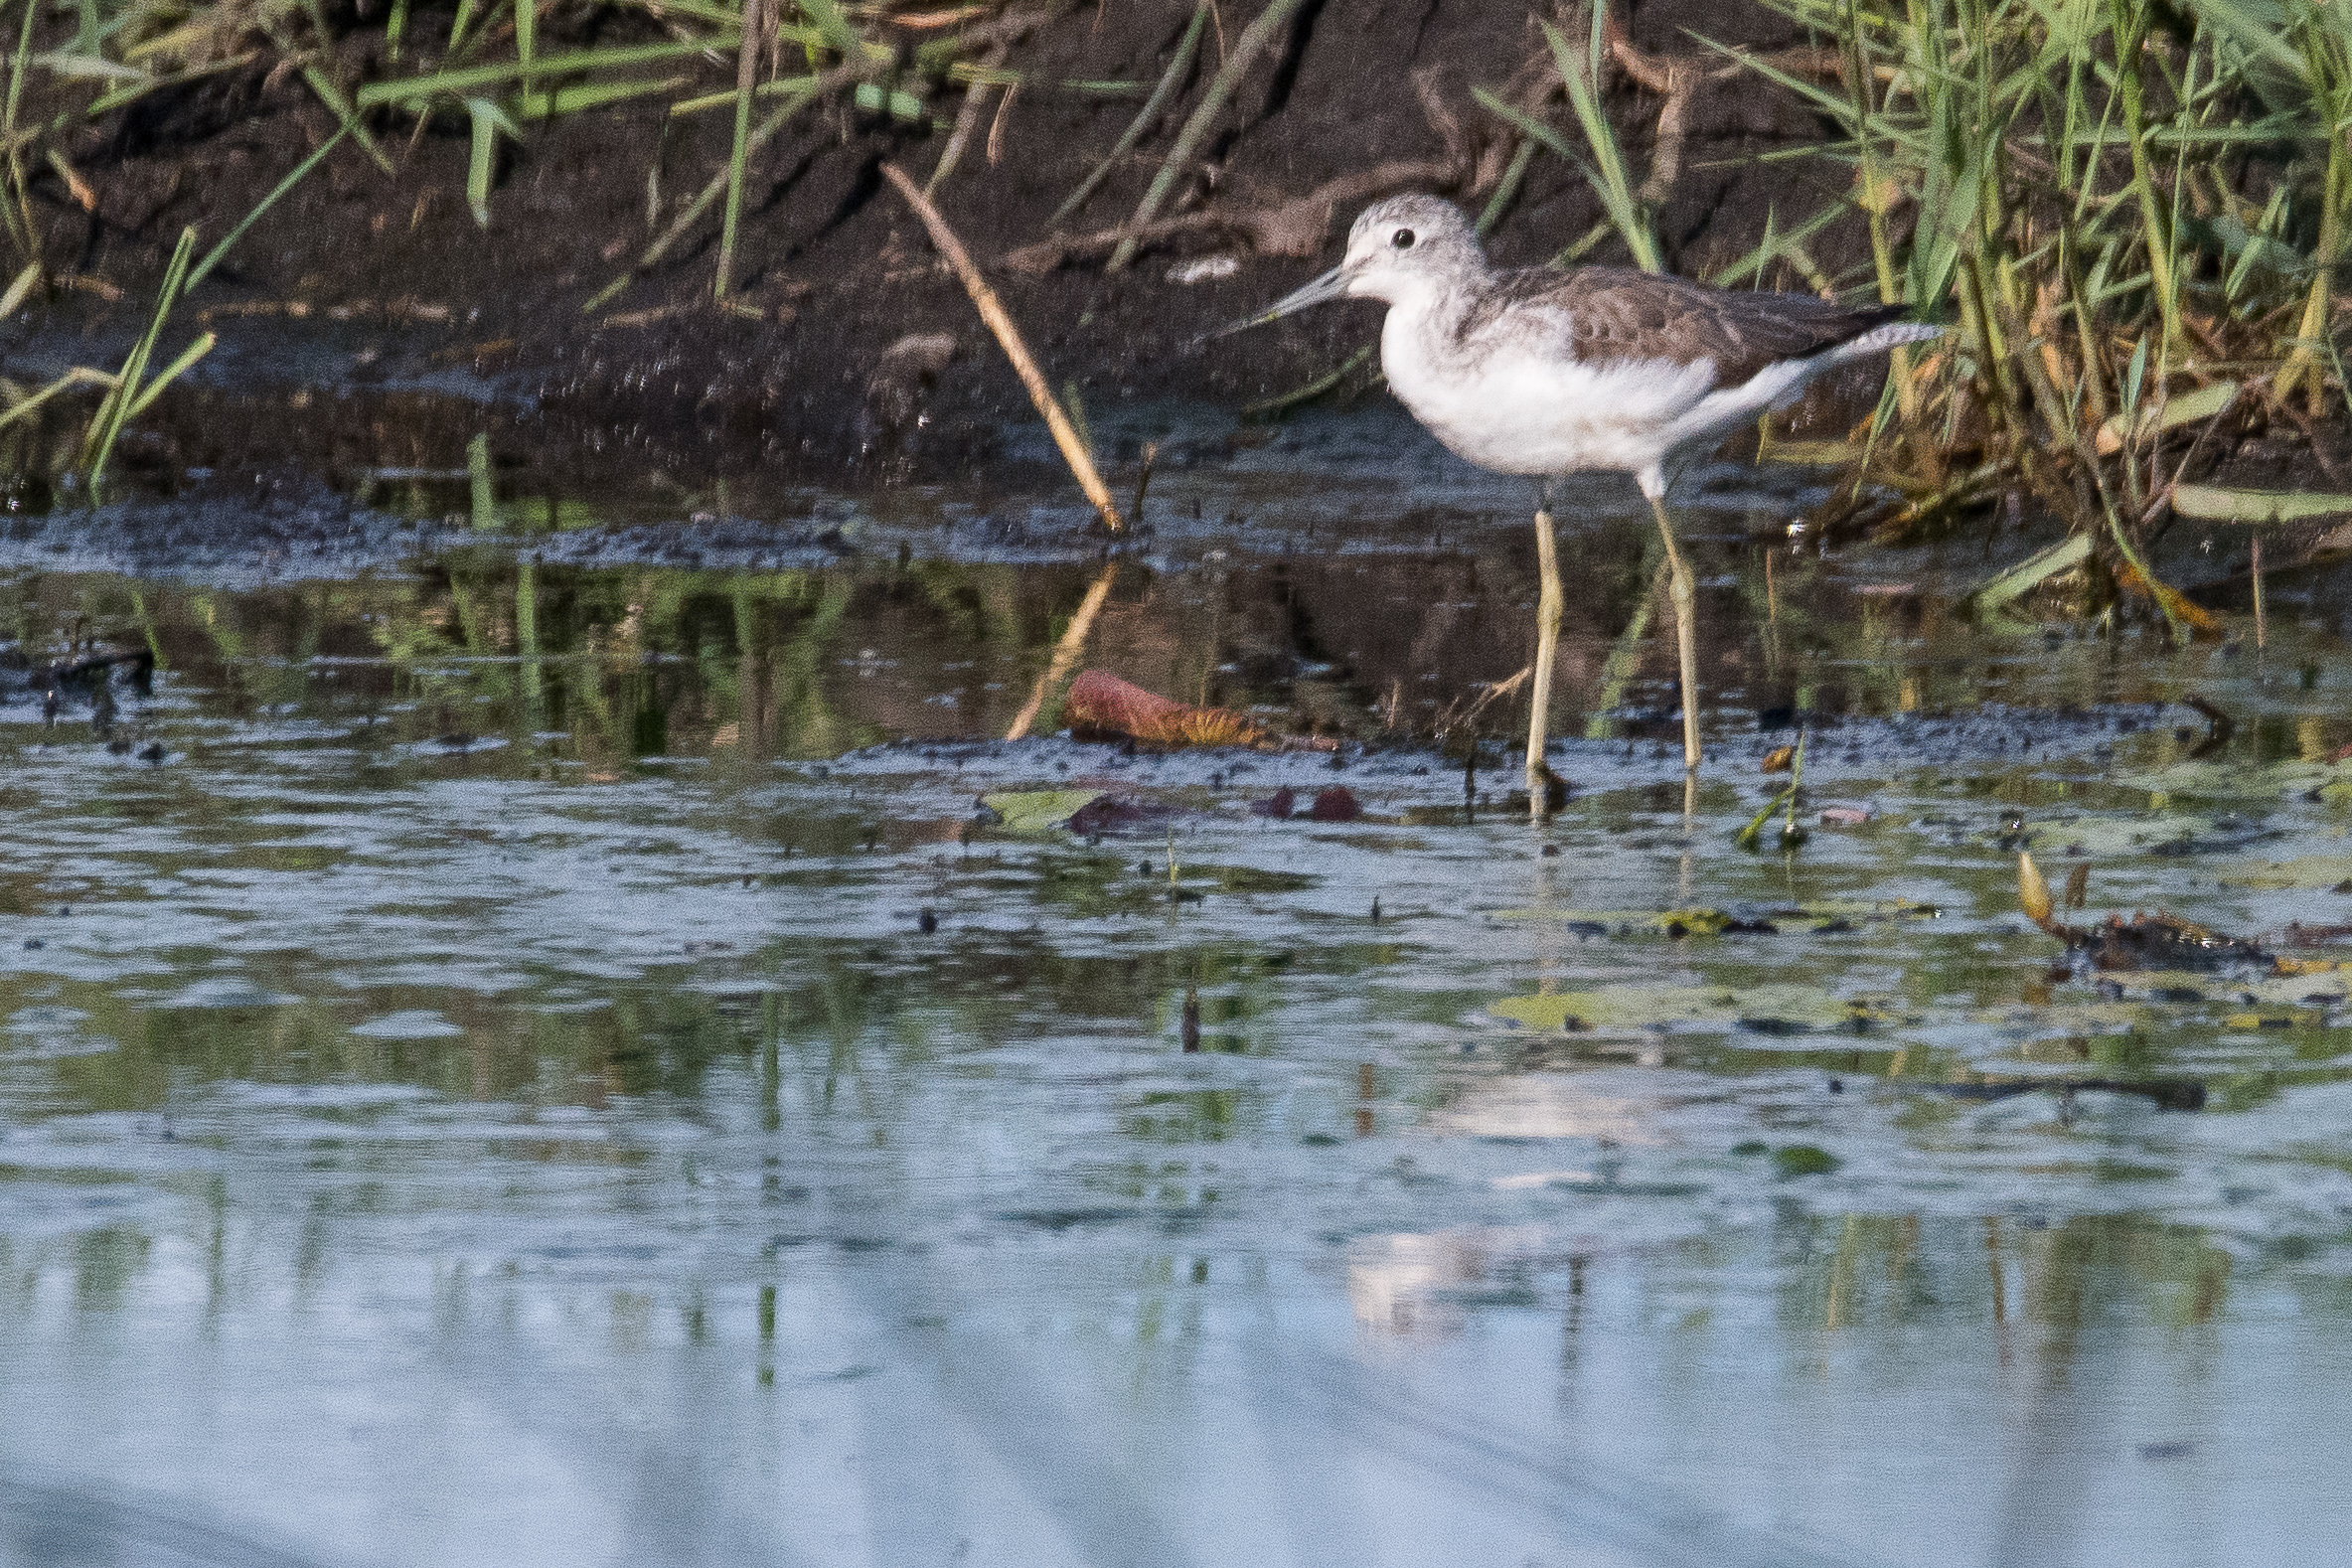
984,299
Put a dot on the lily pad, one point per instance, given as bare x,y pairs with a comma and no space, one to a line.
1770,1010
1791,1160
1038,811
2111,838
2200,779
2304,870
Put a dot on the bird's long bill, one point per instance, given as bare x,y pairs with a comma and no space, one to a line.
1332,285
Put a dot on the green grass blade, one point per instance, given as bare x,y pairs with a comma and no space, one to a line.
685,220
79,376
790,86
460,82
1253,42
738,154
836,30
488,121
1614,187
171,373
332,97
105,427
211,257
19,289
1179,66
594,94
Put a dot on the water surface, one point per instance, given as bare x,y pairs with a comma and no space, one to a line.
518,1054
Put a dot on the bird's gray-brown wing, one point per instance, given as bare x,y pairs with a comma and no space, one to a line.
1621,313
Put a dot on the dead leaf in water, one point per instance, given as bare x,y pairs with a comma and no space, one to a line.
1101,704
1337,803
2033,891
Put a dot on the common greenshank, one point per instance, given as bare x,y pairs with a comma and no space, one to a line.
1546,372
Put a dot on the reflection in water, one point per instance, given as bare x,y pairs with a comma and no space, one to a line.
604,667
512,1083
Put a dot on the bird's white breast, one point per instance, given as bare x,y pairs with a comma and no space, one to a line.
1516,402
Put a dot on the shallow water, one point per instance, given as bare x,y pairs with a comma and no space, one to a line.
477,1085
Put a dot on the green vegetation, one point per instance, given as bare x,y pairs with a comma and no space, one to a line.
2120,205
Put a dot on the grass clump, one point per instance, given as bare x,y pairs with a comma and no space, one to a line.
2122,204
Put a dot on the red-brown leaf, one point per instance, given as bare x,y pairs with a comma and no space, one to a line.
1102,705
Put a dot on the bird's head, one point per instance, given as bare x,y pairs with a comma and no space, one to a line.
1397,247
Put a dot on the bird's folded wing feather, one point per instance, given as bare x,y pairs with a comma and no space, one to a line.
1619,313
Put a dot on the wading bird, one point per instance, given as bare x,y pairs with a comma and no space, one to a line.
1547,372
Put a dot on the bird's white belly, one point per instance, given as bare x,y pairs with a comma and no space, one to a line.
1518,411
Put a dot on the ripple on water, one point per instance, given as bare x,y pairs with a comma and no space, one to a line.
395,1130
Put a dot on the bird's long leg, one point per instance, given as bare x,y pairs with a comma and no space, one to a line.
1685,620
1547,649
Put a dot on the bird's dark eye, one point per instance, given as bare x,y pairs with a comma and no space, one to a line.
1402,240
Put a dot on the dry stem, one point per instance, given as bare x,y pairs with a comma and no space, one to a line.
984,299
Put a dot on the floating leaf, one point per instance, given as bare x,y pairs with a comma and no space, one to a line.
1791,1160
2204,779
2164,835
1038,811
1783,1009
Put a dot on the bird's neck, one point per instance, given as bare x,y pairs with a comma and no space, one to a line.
1432,308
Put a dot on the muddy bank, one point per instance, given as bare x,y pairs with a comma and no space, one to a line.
359,277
